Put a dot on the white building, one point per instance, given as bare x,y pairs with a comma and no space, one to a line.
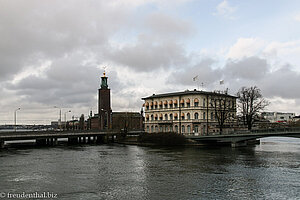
278,116
188,112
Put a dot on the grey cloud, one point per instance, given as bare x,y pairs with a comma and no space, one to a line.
66,81
50,29
206,74
147,55
283,82
251,68
166,26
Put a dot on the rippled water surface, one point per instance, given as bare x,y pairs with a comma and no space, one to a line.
270,170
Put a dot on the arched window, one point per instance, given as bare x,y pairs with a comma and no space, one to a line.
152,117
176,128
171,116
166,128
211,115
156,128
203,102
182,129
188,116
166,116
188,129
171,128
196,115
152,129
196,129
196,102
147,129
204,115
161,129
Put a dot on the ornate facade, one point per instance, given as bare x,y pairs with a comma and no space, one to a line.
189,112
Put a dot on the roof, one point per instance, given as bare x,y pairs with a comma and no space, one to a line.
187,92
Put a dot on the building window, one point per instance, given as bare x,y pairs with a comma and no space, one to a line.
161,129
182,129
204,115
188,129
211,115
147,107
196,129
166,116
152,117
203,102
188,116
196,102
188,105
171,116
171,128
170,105
152,129
156,129
147,129
182,116
196,115
176,129
166,128
155,106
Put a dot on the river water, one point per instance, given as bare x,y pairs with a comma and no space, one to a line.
270,170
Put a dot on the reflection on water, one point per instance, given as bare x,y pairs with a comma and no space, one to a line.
266,171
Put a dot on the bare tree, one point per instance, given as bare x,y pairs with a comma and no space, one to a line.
251,102
224,109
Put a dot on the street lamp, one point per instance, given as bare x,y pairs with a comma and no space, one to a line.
66,118
59,121
16,118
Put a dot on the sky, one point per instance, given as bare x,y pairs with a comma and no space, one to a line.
53,52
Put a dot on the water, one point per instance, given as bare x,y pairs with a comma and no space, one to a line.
270,170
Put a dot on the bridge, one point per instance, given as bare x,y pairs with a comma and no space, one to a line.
50,138
243,138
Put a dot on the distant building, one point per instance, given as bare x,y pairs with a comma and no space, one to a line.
127,121
188,112
106,119
278,116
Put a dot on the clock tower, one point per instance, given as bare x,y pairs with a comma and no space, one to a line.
104,109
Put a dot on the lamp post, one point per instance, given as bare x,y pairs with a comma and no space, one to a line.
59,121
66,118
16,118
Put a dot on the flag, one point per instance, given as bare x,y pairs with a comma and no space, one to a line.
195,78
221,82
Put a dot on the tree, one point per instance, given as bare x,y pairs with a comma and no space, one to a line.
251,102
224,109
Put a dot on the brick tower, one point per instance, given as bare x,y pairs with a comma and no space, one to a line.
104,108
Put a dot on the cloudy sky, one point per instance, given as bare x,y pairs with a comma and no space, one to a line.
52,52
